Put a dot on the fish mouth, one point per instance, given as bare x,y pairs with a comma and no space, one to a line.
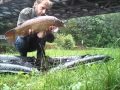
63,25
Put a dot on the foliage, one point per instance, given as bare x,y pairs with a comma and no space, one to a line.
65,41
5,47
95,31
51,46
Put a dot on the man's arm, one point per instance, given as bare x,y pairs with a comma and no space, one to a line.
24,15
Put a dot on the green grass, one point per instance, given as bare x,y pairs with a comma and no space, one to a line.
98,76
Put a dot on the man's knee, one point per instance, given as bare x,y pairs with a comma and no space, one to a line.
19,43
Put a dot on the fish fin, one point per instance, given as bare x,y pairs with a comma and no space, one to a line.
10,36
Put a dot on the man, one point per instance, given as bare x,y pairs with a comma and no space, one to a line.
34,41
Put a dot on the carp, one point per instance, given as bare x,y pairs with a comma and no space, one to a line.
38,24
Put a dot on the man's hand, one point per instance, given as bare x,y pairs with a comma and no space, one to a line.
31,31
50,30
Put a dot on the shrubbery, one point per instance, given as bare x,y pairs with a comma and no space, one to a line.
7,48
65,41
51,46
95,31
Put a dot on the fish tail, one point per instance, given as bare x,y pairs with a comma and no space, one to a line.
10,36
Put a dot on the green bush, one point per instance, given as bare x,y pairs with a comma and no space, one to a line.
4,47
65,41
51,46
95,31
69,42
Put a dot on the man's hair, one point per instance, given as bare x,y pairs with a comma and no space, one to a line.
49,2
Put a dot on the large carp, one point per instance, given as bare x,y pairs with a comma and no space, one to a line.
38,24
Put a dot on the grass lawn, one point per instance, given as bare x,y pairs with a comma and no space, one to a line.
98,76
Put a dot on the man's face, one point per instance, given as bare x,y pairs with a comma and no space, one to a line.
41,8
